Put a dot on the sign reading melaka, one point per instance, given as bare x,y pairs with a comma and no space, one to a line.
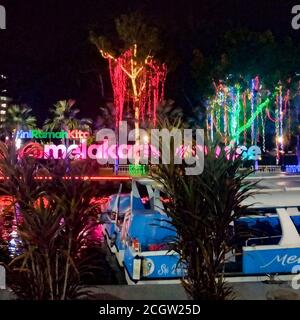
85,151
124,151
39,134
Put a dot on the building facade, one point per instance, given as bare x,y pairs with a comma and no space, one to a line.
4,99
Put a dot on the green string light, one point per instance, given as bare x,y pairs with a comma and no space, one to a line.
259,109
237,114
138,170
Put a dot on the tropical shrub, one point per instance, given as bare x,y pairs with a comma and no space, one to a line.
202,209
55,218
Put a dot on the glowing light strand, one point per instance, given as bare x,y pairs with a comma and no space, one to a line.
252,111
141,83
258,110
280,118
237,114
277,131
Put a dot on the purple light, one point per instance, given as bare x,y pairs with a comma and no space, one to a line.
292,169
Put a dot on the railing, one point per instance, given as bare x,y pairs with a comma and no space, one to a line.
131,170
267,169
123,170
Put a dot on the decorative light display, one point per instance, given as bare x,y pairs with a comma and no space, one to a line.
138,170
252,119
31,149
6,216
239,115
292,169
137,84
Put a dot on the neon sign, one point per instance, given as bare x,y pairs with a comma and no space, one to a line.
83,151
138,170
251,153
39,134
106,152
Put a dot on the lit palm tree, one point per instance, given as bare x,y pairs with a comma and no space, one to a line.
64,117
17,118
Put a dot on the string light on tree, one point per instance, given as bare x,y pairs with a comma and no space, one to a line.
141,81
237,110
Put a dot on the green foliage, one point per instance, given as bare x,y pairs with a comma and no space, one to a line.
167,111
107,116
102,43
55,224
65,117
245,53
131,29
250,53
202,209
17,118
201,70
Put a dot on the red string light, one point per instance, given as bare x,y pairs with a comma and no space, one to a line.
142,83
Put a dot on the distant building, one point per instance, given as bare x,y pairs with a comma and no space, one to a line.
4,99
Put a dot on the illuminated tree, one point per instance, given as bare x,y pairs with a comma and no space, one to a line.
240,113
252,99
137,78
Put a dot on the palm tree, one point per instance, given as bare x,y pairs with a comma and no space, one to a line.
166,110
107,117
64,117
17,118
197,117
194,117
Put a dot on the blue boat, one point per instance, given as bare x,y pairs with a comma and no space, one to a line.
149,257
140,234
267,241
117,207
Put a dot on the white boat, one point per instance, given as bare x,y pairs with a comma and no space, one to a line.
275,211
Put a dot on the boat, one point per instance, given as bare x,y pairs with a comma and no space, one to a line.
267,240
140,234
115,210
149,256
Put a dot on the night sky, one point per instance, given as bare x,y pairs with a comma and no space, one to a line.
46,54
